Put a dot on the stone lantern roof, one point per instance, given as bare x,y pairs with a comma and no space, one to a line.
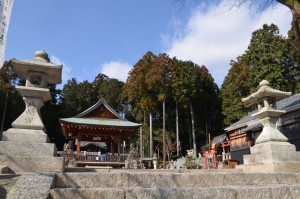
41,64
265,91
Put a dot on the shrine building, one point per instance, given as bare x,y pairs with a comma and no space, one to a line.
99,123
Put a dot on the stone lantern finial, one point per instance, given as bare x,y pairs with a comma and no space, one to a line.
264,83
41,55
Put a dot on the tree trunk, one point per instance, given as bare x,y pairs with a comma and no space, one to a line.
145,118
297,30
151,135
294,5
193,131
3,117
177,130
164,135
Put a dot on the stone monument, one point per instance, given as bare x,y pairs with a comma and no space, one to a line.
26,147
272,152
132,159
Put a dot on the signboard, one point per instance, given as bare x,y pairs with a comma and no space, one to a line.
5,10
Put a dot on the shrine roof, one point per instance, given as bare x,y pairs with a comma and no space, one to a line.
100,122
97,106
100,114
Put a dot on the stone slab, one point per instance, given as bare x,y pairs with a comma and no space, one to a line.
276,156
272,167
272,146
33,185
6,183
33,92
239,192
24,164
167,179
19,148
26,135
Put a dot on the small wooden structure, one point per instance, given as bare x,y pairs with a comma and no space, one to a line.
99,123
216,151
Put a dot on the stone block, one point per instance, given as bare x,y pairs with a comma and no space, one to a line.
33,185
19,148
272,167
239,192
173,179
276,156
6,170
24,164
26,135
272,146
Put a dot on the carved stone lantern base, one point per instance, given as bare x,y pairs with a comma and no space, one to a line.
34,99
272,157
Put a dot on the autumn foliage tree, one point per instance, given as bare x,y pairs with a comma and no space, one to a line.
157,81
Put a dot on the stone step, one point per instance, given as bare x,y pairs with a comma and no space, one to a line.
278,191
166,180
7,181
33,185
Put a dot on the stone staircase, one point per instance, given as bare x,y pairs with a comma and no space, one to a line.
176,184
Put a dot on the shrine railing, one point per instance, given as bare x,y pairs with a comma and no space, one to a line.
93,156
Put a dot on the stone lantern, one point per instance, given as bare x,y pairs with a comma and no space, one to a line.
26,147
272,152
38,73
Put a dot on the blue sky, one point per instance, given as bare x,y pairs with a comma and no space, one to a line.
93,36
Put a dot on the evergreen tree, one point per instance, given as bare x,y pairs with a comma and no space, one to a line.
269,58
77,97
234,88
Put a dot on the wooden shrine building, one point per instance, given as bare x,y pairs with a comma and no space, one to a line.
99,123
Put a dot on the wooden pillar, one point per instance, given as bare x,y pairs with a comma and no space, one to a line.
215,159
119,149
78,144
205,160
113,150
141,142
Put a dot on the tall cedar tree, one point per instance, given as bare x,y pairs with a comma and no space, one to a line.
234,88
157,78
269,58
136,92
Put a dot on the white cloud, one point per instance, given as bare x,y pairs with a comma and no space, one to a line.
65,71
116,69
218,35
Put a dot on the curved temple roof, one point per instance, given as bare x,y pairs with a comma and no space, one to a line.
99,122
